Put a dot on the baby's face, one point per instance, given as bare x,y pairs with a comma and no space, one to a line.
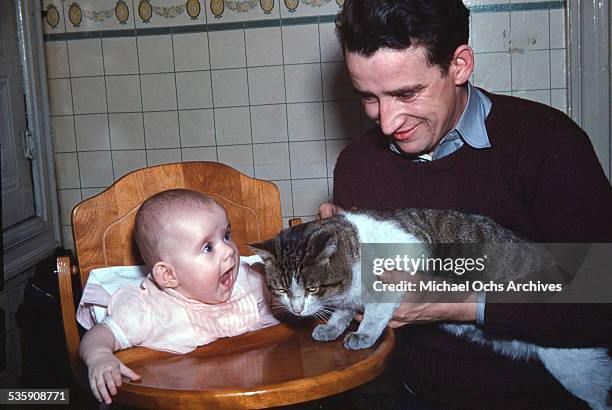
203,255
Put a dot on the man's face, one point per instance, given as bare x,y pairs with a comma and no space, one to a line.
203,255
414,103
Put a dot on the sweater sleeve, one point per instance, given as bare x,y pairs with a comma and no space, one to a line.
568,192
552,324
342,181
571,201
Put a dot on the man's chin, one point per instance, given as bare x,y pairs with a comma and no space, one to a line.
410,148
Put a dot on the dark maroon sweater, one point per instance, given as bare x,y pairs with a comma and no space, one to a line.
540,177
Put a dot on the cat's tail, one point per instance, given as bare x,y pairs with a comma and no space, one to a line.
586,373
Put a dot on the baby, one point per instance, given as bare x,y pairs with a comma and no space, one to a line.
196,292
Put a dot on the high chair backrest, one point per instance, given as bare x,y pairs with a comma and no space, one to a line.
103,225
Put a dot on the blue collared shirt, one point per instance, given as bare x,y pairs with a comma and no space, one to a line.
471,130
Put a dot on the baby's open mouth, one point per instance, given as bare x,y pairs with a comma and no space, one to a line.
226,278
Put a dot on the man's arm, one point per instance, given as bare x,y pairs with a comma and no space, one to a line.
570,199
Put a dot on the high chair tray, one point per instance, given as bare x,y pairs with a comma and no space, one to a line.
276,366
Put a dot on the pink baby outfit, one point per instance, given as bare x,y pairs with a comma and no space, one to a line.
163,319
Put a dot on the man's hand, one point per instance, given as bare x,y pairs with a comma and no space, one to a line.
327,210
105,371
419,307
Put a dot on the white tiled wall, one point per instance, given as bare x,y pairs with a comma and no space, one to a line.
266,93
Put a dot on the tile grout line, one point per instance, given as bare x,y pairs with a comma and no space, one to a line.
210,73
323,112
549,64
110,145
176,91
212,97
246,63
282,41
144,132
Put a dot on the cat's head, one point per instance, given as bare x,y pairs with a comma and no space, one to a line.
307,267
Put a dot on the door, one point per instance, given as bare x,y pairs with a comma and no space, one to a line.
17,190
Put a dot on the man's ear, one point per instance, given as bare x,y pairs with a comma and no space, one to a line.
164,275
462,64
265,250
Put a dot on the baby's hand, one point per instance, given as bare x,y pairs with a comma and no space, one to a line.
105,374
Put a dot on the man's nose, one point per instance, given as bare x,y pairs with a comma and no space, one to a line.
388,117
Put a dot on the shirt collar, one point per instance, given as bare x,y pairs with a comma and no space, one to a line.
471,125
470,129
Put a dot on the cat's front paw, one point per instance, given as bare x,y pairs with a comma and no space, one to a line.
356,340
326,332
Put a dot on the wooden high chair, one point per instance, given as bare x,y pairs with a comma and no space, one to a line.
275,366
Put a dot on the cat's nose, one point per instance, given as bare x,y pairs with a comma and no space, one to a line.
297,306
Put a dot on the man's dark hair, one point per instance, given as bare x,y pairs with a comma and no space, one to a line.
440,26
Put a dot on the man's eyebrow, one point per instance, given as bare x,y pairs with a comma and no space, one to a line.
413,89
362,93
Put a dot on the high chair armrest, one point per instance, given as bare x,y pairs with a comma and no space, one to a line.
295,221
71,332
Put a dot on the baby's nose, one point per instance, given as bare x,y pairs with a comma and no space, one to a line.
229,251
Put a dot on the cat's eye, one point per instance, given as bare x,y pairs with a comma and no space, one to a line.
312,289
279,290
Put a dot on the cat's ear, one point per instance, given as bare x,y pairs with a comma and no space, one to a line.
328,249
265,250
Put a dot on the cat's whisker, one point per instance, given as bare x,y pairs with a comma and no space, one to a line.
282,312
324,312
322,315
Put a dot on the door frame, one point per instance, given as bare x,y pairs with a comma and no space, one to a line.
588,77
35,238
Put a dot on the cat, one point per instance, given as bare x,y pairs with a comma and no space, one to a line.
315,267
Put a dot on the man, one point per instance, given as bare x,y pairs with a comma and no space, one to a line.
442,143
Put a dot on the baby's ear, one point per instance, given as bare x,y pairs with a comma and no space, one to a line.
265,250
164,275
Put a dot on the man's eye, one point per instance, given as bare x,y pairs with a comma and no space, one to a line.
406,97
312,289
368,99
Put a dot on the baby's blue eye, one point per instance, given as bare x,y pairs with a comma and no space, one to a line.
228,236
207,248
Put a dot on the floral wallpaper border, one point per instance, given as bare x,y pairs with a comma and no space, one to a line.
74,19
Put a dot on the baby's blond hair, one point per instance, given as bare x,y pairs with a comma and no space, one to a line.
156,215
